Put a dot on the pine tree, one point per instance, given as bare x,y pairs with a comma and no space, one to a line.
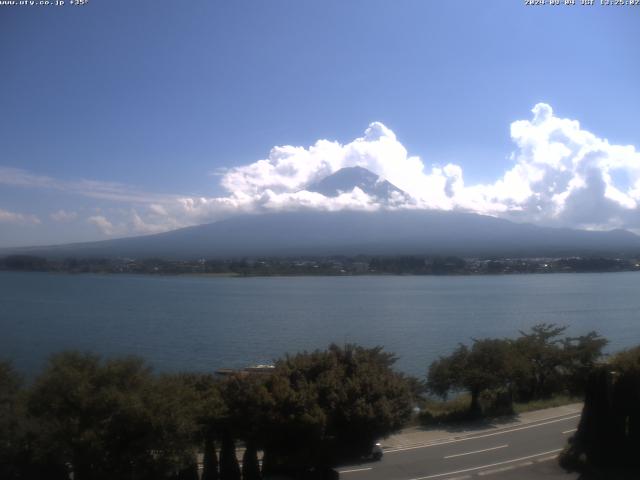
190,472
229,468
210,461
250,466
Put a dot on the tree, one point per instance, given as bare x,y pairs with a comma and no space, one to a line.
229,468
445,374
581,356
247,401
537,364
189,415
250,465
174,404
12,423
189,472
543,359
294,425
608,435
113,419
487,365
209,412
342,399
74,401
372,400
210,461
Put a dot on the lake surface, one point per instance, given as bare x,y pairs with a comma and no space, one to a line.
204,323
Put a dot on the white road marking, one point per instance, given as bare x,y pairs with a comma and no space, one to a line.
502,432
496,470
546,459
504,469
355,470
487,466
477,451
570,431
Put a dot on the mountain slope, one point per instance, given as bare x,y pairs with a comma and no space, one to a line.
346,179
350,233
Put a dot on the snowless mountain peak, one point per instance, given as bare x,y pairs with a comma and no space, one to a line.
348,178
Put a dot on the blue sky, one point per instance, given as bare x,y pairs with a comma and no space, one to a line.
121,118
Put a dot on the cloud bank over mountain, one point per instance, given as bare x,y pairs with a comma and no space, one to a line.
562,175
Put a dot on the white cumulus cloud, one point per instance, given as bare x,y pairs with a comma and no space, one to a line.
63,216
561,175
18,218
565,175
103,224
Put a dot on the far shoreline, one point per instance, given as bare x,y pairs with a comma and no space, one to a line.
332,266
304,275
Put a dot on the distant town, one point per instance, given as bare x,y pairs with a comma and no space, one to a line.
338,265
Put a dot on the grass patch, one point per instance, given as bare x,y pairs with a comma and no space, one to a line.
456,410
456,404
555,401
435,412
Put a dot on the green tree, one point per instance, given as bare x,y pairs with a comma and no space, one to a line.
250,465
173,404
210,412
342,400
247,401
189,472
607,440
229,468
543,359
12,423
537,364
371,400
582,354
295,423
445,374
210,461
90,414
487,366
113,419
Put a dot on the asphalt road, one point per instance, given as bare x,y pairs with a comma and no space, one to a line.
482,455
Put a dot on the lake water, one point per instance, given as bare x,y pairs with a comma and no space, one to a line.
204,323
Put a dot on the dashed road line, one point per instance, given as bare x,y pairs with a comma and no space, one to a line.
482,467
355,470
477,451
497,470
570,431
546,459
504,469
568,415
492,434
